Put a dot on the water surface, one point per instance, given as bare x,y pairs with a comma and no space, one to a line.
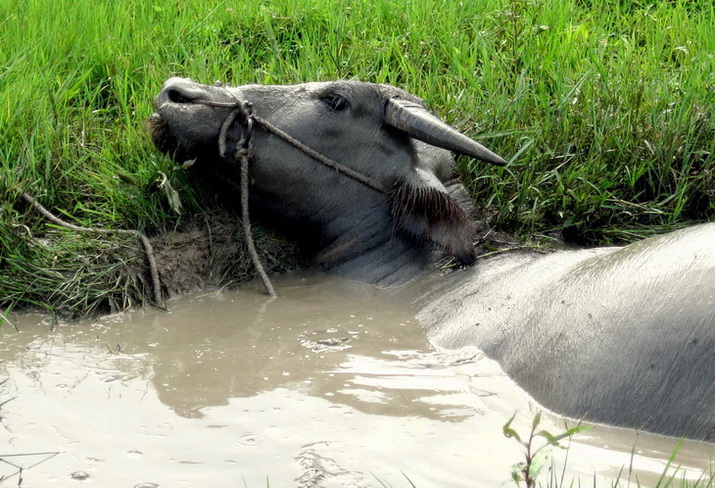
332,384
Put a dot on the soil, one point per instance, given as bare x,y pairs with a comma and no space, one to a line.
208,250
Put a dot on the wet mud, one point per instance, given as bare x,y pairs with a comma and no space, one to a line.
332,384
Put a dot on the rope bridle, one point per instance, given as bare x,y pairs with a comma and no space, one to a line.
244,152
251,118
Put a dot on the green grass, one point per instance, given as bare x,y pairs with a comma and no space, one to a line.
603,108
538,444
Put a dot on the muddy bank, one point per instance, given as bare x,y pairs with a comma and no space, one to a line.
71,273
208,250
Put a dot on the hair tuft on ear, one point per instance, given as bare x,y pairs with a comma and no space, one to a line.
428,214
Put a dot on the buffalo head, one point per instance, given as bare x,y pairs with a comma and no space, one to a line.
381,233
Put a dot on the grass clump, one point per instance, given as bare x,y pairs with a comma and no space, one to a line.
536,457
604,109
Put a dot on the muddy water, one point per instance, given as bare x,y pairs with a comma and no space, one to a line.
331,385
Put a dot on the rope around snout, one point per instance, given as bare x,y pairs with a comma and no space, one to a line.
246,108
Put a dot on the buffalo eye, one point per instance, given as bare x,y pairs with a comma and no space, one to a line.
336,102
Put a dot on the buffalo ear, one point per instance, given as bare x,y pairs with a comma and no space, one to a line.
423,210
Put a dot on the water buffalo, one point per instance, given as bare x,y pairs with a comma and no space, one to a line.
624,336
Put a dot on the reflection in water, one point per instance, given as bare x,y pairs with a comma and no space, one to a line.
332,384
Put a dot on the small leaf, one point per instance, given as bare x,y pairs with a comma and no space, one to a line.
537,464
573,431
537,420
508,431
578,429
174,200
172,196
550,438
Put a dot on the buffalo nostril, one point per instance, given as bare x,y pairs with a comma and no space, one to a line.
177,97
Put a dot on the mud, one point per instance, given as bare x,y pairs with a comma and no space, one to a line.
208,250
332,384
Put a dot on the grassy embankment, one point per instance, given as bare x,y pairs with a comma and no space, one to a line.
604,108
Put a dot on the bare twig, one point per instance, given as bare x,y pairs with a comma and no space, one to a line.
46,456
148,249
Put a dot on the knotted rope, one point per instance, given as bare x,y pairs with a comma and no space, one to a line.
244,151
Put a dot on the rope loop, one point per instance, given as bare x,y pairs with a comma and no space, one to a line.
246,108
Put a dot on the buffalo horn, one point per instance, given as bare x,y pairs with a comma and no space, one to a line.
420,124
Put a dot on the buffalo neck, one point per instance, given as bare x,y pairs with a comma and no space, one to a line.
383,258
356,241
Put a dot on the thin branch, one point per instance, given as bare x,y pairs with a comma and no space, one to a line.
148,249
